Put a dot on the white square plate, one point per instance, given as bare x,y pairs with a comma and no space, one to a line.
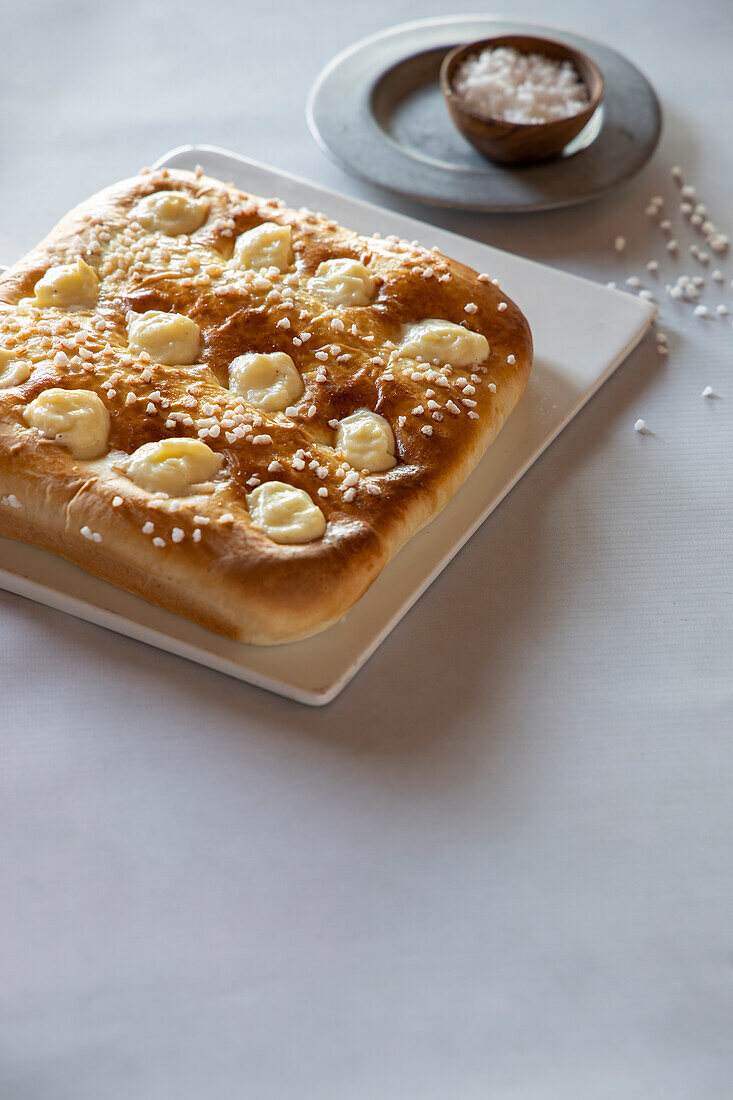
582,332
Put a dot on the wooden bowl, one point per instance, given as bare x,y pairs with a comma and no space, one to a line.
513,142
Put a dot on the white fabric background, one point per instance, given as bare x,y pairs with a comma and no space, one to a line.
500,865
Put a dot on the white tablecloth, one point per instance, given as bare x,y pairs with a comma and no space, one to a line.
500,864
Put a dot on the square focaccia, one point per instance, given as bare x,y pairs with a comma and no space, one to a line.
240,411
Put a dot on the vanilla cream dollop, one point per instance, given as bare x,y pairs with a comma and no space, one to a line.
284,513
439,341
342,282
366,441
12,371
267,380
267,245
171,212
168,338
172,466
68,286
75,419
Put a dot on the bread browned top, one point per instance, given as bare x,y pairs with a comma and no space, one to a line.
232,575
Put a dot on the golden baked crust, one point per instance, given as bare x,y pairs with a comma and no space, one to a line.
230,576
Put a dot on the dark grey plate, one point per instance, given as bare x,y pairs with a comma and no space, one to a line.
377,110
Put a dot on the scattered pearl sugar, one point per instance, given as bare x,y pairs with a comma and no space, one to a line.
640,426
520,87
708,392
